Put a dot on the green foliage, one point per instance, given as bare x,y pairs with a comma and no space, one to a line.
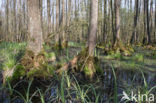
87,71
74,44
42,72
50,56
9,64
46,47
11,54
18,72
131,64
62,90
153,55
116,56
138,58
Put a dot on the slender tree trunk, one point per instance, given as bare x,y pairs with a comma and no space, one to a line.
155,23
104,24
119,44
53,13
15,21
151,17
135,21
34,27
57,21
147,19
69,15
63,22
144,36
112,21
49,16
7,20
41,13
93,26
117,18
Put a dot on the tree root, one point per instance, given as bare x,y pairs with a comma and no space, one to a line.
119,47
82,63
66,66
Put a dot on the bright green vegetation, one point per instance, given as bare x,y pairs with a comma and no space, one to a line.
11,53
43,83
144,61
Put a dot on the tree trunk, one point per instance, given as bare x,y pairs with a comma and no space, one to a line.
155,23
93,26
119,44
112,21
148,26
15,22
34,27
69,12
117,19
135,21
57,36
63,22
41,13
104,21
7,20
151,17
49,16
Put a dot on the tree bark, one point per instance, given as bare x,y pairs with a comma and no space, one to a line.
104,24
135,21
93,26
63,22
117,18
15,21
49,16
112,21
41,13
57,36
7,20
34,27
148,26
119,44
69,13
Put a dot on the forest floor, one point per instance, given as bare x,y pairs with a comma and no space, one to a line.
133,73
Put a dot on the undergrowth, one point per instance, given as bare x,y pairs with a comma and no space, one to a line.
52,88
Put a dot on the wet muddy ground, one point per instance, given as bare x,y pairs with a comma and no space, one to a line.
129,76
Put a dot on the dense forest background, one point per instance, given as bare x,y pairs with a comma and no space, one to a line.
77,51
70,19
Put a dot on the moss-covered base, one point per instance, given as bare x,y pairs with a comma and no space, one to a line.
83,64
61,45
150,47
32,65
120,47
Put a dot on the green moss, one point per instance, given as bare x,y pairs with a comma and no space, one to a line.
46,47
19,72
50,55
131,64
87,71
116,56
89,65
98,68
154,55
111,52
57,46
9,64
37,73
138,58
